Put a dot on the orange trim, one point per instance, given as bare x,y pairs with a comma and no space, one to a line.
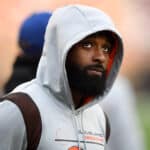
94,138
87,100
74,148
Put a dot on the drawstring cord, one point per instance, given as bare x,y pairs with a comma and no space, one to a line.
83,133
75,125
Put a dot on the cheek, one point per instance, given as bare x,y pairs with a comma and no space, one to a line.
108,66
82,58
106,63
107,60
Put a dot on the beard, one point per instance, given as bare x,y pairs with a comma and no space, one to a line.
80,80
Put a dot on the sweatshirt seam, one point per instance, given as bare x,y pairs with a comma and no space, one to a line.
84,16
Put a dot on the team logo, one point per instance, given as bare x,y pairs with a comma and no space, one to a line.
75,148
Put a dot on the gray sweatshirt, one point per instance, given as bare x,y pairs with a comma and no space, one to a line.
63,126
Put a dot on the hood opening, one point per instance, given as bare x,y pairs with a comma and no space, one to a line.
112,56
61,34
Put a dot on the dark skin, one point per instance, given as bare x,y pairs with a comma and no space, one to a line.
92,50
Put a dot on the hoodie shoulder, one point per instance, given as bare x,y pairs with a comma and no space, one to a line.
12,127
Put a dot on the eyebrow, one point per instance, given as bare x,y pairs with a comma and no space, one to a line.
110,37
93,37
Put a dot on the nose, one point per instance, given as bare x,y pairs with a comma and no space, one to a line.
99,56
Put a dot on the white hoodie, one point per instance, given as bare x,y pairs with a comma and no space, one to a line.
63,126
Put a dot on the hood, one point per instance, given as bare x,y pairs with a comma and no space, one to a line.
67,26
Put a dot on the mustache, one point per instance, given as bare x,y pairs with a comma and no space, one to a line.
95,66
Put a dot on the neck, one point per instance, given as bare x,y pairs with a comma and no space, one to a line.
80,99
77,96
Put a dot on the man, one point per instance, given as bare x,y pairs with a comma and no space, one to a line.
80,60
30,42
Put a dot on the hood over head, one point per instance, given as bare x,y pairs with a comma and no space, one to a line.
68,26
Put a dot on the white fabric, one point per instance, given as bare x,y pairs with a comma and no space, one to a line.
12,128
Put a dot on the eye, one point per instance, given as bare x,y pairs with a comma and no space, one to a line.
87,44
107,49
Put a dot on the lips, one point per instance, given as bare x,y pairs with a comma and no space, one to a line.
95,71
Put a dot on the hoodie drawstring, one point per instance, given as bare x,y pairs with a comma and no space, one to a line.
77,127
82,129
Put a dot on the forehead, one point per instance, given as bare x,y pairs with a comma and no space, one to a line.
107,35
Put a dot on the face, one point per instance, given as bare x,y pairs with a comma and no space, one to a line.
87,62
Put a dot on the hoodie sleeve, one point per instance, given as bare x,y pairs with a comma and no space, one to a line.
12,128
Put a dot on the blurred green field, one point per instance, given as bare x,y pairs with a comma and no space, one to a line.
144,114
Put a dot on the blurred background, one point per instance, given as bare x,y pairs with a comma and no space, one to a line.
131,17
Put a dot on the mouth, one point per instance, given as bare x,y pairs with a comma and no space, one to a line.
95,71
